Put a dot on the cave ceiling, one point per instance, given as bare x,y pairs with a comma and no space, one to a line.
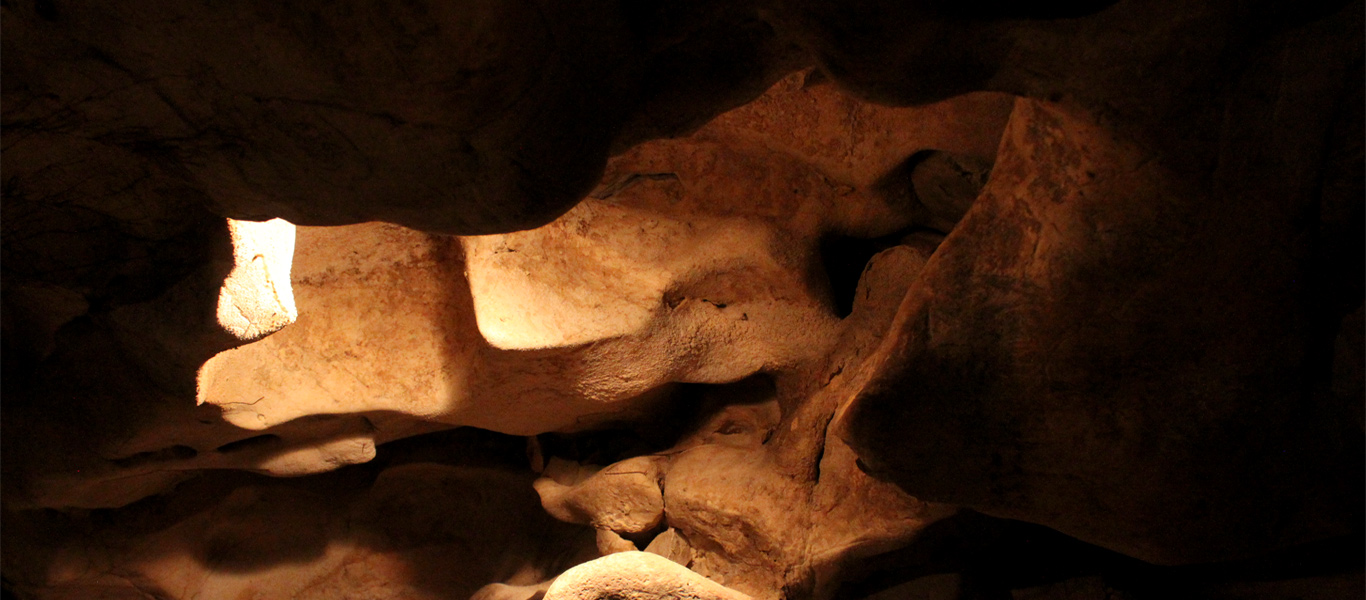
515,299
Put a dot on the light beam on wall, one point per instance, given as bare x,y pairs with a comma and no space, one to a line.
256,299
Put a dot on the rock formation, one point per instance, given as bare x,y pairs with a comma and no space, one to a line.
774,300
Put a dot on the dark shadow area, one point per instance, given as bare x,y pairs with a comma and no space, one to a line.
256,441
845,259
686,407
456,507
990,557
935,187
172,453
990,10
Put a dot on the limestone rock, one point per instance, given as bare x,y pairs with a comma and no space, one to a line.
637,576
1063,343
589,319
787,328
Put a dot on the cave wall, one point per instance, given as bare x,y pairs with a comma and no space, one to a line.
813,300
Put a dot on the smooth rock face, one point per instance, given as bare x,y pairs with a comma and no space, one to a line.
636,575
1096,269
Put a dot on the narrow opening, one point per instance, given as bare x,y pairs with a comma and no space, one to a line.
172,453
844,259
250,443
934,188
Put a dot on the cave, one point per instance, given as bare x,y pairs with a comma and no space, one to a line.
747,300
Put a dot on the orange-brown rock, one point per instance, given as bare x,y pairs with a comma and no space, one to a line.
993,301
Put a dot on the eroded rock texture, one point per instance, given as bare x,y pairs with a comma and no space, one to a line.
729,300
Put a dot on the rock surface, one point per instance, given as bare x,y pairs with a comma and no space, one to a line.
1113,326
635,575
1094,268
